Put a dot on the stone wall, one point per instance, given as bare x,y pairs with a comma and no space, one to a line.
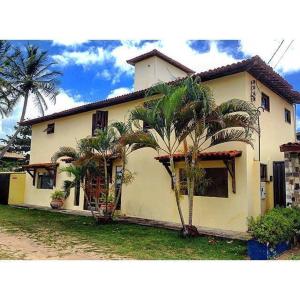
292,177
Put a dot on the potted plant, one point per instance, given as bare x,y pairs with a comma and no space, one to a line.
57,199
106,205
271,235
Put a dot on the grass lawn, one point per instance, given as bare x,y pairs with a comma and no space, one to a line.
134,241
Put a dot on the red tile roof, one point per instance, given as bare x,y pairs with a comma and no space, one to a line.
157,53
254,66
290,147
219,155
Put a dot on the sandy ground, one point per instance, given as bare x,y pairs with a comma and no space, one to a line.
20,246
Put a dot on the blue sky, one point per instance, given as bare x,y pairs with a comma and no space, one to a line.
95,70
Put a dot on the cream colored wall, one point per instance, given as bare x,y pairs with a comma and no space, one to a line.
274,132
67,132
153,70
150,195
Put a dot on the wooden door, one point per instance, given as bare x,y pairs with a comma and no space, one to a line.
279,184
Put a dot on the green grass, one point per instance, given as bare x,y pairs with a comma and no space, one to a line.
132,241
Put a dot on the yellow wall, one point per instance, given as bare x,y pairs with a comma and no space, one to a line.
153,70
16,188
150,195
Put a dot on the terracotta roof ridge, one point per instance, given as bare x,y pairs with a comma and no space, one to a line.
163,56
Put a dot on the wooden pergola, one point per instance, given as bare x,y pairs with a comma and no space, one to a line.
228,157
50,167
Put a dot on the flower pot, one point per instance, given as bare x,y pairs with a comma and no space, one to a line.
106,209
57,203
259,251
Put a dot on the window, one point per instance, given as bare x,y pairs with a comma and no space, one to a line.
45,181
216,183
50,128
265,101
100,119
287,116
263,172
77,193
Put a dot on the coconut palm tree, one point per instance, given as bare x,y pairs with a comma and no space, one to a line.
207,125
161,115
29,73
5,103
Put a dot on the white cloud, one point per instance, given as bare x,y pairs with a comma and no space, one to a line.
69,42
84,58
63,101
176,49
104,74
119,91
180,50
266,48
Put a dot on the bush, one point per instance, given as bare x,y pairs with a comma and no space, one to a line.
277,225
57,194
293,214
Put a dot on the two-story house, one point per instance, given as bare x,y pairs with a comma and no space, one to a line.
246,181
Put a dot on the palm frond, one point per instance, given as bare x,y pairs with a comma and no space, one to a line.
64,152
67,186
231,135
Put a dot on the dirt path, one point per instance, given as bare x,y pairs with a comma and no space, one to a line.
20,246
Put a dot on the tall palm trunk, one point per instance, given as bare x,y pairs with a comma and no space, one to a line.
120,189
191,189
173,174
13,138
86,196
189,180
106,184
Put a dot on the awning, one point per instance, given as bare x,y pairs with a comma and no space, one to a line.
50,167
219,155
40,166
290,147
228,157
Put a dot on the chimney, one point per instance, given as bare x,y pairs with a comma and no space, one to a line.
153,67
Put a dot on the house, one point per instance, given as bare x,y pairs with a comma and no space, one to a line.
11,160
246,180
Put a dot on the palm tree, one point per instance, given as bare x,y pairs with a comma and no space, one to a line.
5,105
207,125
82,166
129,141
161,116
29,73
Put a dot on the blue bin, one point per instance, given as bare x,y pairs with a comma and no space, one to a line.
259,251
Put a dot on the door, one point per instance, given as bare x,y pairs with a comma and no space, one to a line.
95,187
279,183
4,188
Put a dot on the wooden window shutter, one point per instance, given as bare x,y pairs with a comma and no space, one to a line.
100,120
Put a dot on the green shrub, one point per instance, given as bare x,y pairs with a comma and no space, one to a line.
57,194
274,227
293,214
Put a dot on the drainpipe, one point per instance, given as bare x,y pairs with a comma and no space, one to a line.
259,109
